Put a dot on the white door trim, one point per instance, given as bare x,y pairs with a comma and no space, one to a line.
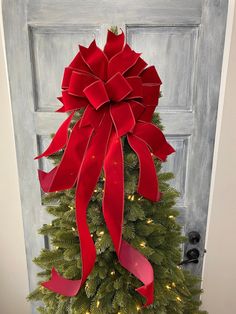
218,274
13,274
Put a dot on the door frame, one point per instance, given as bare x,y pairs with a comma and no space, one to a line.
221,291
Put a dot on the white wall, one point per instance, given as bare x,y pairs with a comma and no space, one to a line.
219,278
13,270
220,267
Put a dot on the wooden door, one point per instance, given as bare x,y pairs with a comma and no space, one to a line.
184,39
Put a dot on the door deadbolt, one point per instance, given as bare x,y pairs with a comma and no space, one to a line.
194,237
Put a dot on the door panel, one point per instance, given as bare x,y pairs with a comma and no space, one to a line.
172,50
184,39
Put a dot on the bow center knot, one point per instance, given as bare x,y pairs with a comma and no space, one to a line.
115,89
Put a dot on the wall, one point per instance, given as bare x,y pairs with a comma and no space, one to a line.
219,268
13,270
219,277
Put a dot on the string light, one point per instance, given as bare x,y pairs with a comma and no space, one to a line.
131,197
98,303
138,308
113,273
173,284
171,217
168,287
140,198
142,244
149,221
71,207
73,228
101,233
95,191
103,179
87,312
178,299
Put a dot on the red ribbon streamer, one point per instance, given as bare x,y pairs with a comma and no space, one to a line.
119,94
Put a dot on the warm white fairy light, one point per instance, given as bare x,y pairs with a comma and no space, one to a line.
95,191
71,207
149,221
173,284
101,233
131,197
178,299
138,308
73,228
98,303
113,273
168,287
171,217
142,244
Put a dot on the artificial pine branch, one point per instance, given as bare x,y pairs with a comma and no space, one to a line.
150,227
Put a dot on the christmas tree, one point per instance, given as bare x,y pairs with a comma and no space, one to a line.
150,227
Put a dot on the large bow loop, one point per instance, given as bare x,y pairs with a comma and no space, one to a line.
118,95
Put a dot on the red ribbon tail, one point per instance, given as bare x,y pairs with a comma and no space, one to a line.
113,198
140,267
148,182
87,179
59,140
64,175
154,138
62,285
113,210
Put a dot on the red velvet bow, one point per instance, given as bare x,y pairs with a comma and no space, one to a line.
119,94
